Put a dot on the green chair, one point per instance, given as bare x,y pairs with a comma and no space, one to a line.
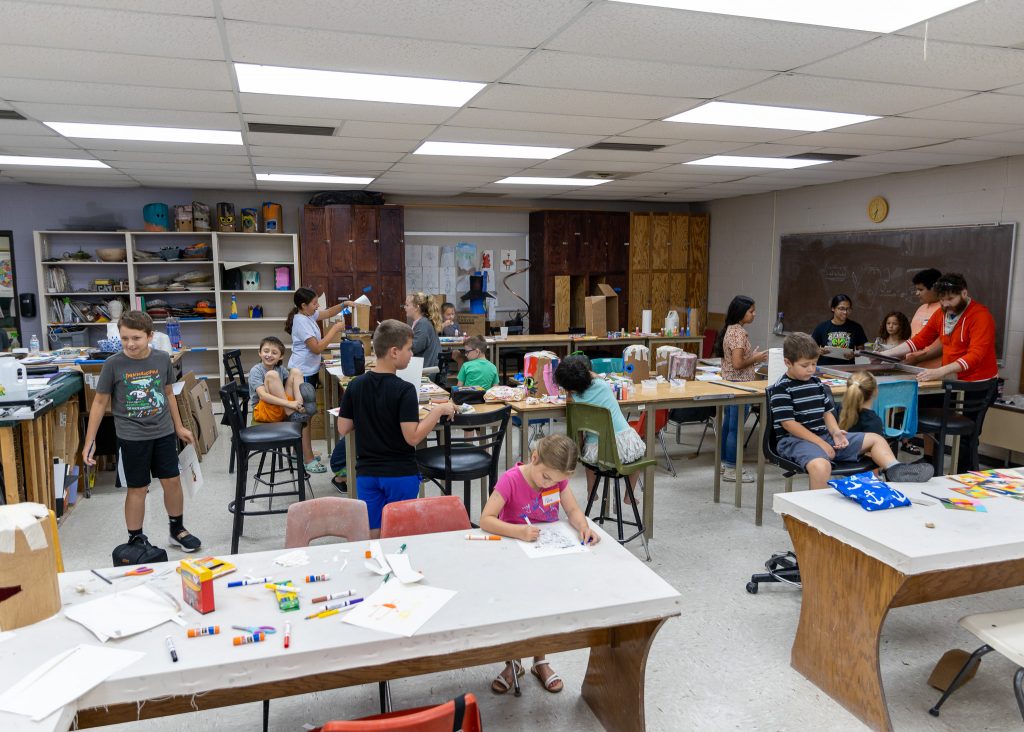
606,365
598,420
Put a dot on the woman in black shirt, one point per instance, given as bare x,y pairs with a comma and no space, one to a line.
839,337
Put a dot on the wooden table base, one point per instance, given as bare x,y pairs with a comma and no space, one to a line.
846,597
613,686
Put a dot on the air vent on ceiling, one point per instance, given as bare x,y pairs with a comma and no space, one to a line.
9,114
470,194
605,174
830,157
624,146
291,129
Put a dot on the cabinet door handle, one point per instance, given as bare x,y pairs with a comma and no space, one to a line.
376,241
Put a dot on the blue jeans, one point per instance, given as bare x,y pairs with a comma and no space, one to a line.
730,433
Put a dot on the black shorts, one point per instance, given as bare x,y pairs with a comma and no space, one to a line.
139,461
313,379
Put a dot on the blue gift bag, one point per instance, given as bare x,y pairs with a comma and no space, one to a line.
871,493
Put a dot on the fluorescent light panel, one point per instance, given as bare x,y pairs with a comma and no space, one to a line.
877,16
527,181
51,162
734,114
477,150
145,134
288,178
740,161
256,79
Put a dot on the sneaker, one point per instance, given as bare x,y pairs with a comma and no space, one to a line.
910,472
729,475
186,541
300,417
340,481
308,394
315,466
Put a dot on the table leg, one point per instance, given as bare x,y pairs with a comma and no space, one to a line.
652,452
719,410
524,438
614,683
759,506
740,425
350,464
10,465
846,596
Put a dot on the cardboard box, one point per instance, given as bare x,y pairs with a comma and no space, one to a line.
602,311
202,414
361,317
472,323
66,435
181,397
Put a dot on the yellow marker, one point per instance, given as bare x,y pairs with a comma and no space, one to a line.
282,588
327,613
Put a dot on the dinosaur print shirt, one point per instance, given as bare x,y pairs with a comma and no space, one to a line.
138,402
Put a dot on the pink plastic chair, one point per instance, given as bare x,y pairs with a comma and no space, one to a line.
423,516
328,516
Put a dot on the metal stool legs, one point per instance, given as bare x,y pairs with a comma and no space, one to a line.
972,660
620,523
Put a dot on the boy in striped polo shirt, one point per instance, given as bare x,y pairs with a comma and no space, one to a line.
806,430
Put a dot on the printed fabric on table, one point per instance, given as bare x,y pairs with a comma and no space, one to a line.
871,493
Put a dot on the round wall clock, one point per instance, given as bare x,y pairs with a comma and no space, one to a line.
878,209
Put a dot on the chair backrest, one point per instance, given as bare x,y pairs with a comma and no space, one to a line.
488,430
328,516
770,444
969,398
896,406
423,516
606,365
590,418
232,361
231,398
442,718
708,346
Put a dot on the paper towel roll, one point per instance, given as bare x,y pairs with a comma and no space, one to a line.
645,318
776,366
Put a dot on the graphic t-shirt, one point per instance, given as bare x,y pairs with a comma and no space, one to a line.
257,377
138,402
848,335
521,500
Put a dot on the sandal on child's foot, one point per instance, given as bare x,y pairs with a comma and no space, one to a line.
553,683
315,466
501,684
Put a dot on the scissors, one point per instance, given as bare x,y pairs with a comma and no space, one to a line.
135,572
253,629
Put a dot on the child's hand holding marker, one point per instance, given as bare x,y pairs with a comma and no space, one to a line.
529,532
588,536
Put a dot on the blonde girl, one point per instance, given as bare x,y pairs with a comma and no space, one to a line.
857,414
425,319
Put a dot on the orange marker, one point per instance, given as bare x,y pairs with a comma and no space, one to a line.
482,537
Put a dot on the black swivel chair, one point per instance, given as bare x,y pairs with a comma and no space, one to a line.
233,372
964,405
782,566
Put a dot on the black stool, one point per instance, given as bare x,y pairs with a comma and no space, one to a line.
275,438
964,404
233,372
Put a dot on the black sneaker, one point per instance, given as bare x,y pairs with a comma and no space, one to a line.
186,542
910,472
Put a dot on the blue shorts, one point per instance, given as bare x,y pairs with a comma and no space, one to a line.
802,452
377,492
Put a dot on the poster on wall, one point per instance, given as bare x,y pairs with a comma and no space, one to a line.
508,260
465,257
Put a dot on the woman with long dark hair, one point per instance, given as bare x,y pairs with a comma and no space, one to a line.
839,337
739,359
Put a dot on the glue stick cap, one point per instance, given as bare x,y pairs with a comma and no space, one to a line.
369,554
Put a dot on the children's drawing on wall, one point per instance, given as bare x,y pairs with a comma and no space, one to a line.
465,257
508,260
486,259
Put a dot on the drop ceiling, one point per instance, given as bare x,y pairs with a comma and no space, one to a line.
561,73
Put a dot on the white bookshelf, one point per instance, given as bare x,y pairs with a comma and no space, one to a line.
208,337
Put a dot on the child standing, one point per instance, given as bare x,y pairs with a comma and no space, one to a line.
857,414
477,370
385,410
894,330
531,494
804,420
136,384
278,393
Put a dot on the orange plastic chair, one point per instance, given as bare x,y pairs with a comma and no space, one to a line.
423,516
442,718
329,516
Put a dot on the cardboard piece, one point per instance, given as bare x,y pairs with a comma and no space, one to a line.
471,324
202,414
641,368
33,571
361,317
602,311
181,390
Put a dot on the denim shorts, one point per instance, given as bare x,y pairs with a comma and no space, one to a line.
377,492
802,452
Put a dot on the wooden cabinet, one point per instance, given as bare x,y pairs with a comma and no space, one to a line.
587,247
345,249
668,265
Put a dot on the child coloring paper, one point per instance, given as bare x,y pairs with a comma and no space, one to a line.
555,540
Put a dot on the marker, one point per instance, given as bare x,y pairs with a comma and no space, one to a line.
101,576
246,582
528,522
342,604
388,575
368,554
170,648
324,614
334,596
287,634
241,640
206,630
317,577
283,588
482,537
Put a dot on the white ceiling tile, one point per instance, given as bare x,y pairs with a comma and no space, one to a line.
542,122
116,95
168,149
86,182
378,156
338,110
52,143
923,157
500,136
69,26
1009,136
977,108
385,130
700,147
50,152
845,140
769,150
160,157
602,165
628,157
989,23
659,34
901,60
201,8
148,165
260,43
24,127
317,143
457,166
514,97
992,148
56,112
332,167
494,22
915,127
718,133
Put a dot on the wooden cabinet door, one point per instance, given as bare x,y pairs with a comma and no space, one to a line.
365,234
314,243
391,298
617,233
339,230
392,240
661,235
680,238
640,243
561,233
594,245
639,296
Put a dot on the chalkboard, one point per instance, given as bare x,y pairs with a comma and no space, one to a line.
875,269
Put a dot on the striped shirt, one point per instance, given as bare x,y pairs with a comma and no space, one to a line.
804,401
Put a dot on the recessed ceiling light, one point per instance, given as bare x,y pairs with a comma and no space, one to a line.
288,178
878,16
476,150
734,114
145,134
740,161
527,181
256,79
51,162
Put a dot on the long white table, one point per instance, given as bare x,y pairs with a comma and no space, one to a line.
507,606
855,565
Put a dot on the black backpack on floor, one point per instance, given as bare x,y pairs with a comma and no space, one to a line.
138,550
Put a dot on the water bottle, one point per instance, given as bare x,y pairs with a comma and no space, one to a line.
779,327
174,332
33,344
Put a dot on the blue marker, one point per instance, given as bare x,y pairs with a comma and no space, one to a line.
246,582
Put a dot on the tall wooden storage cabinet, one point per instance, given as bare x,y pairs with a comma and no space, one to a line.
570,253
345,249
668,266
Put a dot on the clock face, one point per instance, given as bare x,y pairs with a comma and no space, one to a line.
878,209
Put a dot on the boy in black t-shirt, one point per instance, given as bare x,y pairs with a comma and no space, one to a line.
385,409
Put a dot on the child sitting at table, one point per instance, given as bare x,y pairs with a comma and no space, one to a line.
894,330
527,495
857,414
278,393
804,420
477,370
449,329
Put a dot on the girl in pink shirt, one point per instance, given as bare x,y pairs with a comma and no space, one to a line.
525,495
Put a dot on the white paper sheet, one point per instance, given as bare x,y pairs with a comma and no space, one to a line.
447,258
403,569
446,285
297,558
123,613
63,679
431,280
430,255
414,279
413,256
555,540
190,471
398,608
413,373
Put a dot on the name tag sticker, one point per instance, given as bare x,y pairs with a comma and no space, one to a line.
550,497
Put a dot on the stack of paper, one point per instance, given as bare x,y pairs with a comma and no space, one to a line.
123,613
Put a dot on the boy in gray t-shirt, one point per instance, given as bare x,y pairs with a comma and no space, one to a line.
136,384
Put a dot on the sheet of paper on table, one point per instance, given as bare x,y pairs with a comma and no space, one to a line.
403,569
555,540
123,613
399,608
63,679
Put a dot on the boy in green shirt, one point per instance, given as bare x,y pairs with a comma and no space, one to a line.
477,370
